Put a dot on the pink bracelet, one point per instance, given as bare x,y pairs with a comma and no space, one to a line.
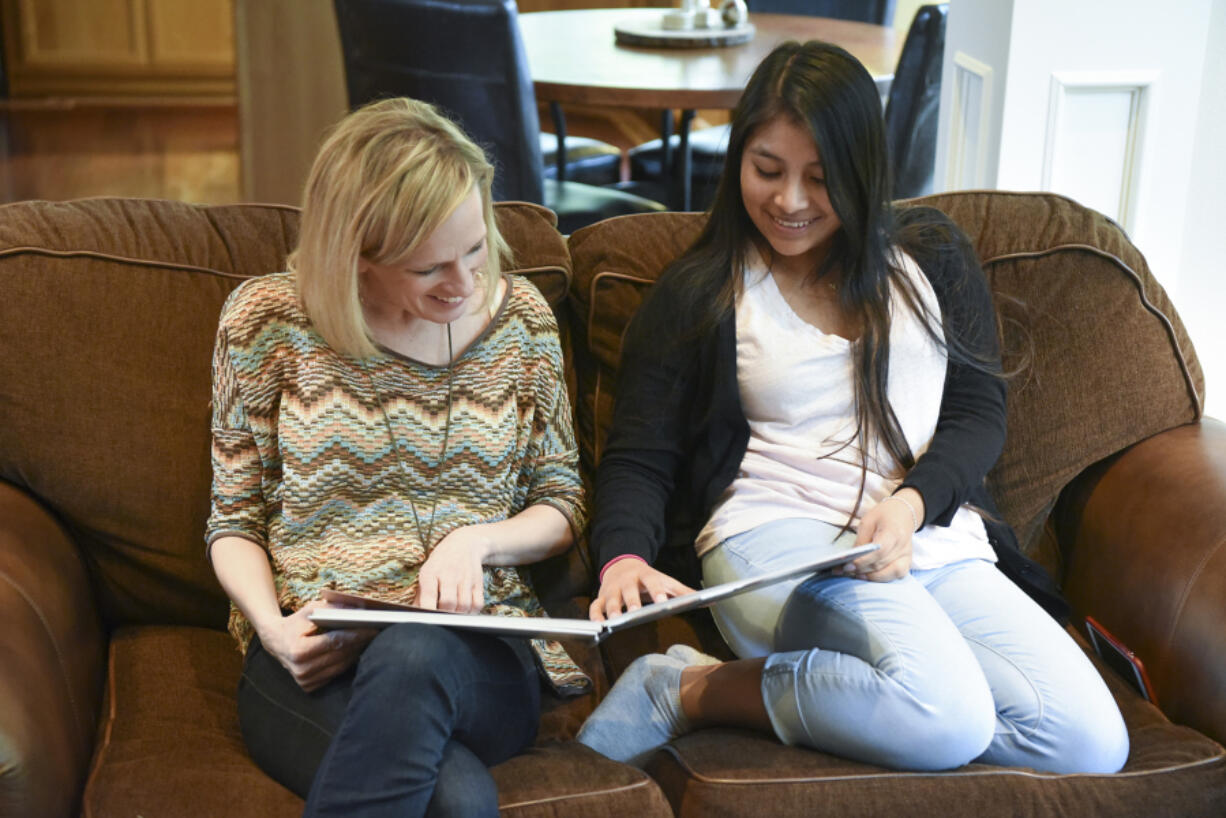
611,562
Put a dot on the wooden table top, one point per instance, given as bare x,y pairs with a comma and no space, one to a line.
574,58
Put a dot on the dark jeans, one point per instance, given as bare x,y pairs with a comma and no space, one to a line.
411,730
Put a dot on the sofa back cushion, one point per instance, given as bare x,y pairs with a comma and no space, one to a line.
107,324
615,262
1105,360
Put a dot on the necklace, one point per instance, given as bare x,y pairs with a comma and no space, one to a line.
423,538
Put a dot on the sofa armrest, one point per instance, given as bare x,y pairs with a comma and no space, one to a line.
53,662
1145,535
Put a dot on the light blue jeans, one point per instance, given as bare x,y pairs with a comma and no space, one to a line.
929,672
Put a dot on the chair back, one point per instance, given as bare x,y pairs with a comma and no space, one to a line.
914,104
464,56
880,12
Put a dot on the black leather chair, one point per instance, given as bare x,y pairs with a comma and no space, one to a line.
708,145
467,57
914,103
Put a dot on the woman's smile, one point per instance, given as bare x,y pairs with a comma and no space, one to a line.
783,189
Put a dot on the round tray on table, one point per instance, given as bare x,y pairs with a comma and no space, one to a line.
652,34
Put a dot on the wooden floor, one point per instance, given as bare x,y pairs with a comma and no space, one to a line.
185,151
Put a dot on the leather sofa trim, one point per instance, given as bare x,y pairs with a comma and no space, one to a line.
1197,399
1186,591
77,716
1219,758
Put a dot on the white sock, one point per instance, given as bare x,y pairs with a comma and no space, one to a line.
641,712
691,656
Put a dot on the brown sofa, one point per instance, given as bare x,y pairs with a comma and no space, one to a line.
117,679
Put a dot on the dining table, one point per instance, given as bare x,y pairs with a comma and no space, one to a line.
576,57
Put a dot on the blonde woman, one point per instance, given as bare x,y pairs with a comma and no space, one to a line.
390,419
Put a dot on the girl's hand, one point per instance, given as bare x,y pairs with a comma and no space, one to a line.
626,583
453,577
313,657
890,524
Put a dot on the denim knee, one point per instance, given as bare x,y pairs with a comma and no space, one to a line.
948,736
1102,748
902,720
464,787
1090,739
876,672
940,724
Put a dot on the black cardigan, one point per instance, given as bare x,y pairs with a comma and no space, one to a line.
679,432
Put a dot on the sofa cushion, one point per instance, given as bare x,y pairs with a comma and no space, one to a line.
538,250
615,262
1171,770
1104,360
170,745
169,742
108,318
557,780
107,323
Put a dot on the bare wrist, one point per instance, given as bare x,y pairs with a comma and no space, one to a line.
267,629
481,541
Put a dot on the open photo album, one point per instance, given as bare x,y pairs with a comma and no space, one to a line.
349,611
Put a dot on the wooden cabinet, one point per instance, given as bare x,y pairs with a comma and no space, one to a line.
119,47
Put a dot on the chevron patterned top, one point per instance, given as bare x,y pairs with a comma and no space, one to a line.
305,464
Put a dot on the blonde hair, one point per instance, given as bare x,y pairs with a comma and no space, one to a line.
386,177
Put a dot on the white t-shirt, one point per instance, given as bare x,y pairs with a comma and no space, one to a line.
797,391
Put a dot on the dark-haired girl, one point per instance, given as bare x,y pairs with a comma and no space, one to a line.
818,370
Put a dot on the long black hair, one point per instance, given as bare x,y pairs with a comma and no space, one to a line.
826,91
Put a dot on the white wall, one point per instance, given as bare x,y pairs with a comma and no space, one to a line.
1200,292
1115,103
977,45
1115,40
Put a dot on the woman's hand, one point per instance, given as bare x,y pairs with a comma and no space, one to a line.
453,577
312,657
624,585
890,524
